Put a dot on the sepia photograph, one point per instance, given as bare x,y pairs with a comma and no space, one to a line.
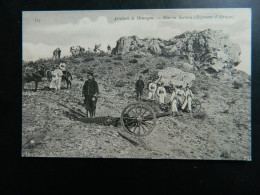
142,84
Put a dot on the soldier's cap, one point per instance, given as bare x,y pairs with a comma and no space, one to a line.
90,74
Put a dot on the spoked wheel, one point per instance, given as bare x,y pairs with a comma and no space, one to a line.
195,106
138,119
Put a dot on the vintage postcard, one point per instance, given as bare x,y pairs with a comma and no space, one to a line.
153,84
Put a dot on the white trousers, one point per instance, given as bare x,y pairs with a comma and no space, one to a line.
187,101
161,98
58,83
151,95
174,106
53,83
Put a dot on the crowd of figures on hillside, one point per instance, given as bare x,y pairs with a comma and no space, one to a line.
180,96
76,50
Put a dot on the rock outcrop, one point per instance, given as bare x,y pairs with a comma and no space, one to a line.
211,50
175,77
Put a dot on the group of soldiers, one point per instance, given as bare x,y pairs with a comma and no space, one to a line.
56,53
181,96
56,76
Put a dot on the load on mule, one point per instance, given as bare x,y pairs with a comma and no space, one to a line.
33,74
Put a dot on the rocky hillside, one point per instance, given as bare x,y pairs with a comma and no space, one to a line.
209,49
221,130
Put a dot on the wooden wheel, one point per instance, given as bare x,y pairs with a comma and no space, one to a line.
138,119
195,106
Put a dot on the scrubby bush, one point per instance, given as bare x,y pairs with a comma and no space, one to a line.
137,56
117,63
237,85
78,76
130,73
83,70
145,71
120,84
159,66
142,65
133,61
225,155
89,59
200,115
118,58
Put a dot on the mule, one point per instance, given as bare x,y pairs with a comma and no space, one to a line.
33,74
67,77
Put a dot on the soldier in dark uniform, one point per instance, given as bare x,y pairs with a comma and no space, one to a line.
90,87
90,92
139,87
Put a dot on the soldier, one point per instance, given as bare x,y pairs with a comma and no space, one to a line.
90,92
54,77
59,52
152,89
139,87
59,77
161,93
174,102
108,49
62,66
188,99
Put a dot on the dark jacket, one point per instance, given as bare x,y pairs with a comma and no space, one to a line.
139,85
90,87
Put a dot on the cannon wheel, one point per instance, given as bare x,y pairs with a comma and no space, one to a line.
195,106
138,119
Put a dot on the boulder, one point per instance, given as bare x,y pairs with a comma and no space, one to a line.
176,77
211,48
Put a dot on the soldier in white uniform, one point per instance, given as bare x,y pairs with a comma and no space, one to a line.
152,89
53,84
161,92
62,66
188,98
174,102
59,75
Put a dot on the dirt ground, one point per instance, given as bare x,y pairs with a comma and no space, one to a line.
222,132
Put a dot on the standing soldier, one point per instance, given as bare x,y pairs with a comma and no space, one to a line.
59,75
54,77
108,49
152,89
174,102
59,52
188,98
90,88
161,93
139,87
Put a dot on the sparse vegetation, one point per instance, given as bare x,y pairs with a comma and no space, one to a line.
225,155
120,84
116,78
137,56
89,59
237,85
83,70
130,73
200,115
118,58
133,61
160,66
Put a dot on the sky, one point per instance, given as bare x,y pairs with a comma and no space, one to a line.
44,31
